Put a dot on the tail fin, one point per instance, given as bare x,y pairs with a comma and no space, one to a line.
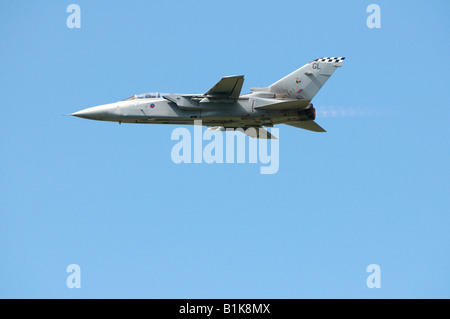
305,82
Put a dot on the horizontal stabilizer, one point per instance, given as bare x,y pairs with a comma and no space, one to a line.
307,125
273,104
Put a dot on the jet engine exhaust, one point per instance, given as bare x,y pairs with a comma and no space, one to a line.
308,114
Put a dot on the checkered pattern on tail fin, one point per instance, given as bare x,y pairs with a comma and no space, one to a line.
332,59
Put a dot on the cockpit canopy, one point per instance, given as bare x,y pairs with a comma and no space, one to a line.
151,95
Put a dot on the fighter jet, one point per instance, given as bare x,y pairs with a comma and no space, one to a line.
287,101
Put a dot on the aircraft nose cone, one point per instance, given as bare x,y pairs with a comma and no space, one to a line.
94,113
83,114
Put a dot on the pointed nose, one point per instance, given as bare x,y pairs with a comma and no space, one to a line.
100,112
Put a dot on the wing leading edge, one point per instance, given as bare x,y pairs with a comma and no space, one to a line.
228,87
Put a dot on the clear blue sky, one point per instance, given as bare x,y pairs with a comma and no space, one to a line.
374,189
